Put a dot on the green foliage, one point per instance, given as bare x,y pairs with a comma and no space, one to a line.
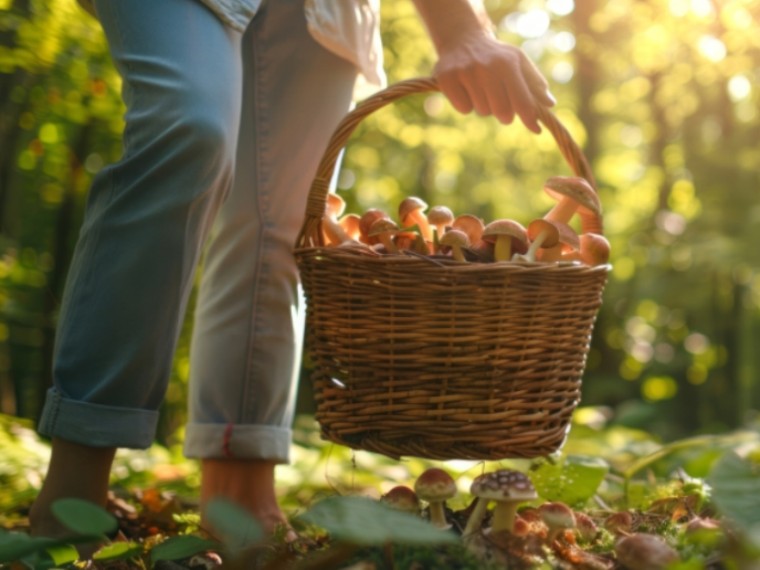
573,479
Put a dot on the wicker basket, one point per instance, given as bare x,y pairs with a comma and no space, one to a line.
444,360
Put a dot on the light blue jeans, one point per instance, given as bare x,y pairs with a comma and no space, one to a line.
223,134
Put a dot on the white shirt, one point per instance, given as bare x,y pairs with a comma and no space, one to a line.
348,28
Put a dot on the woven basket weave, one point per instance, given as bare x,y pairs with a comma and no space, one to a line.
421,357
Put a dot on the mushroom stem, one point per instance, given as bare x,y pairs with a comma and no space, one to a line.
333,231
438,515
503,248
562,211
530,255
476,517
504,516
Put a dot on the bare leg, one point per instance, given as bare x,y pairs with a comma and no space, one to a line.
249,483
77,471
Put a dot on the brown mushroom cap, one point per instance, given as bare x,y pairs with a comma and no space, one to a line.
558,517
365,222
440,217
335,205
567,241
402,498
455,240
575,189
470,224
509,229
409,205
435,485
645,552
350,224
541,225
384,229
411,212
504,484
594,248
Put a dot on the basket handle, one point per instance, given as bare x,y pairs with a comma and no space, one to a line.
311,235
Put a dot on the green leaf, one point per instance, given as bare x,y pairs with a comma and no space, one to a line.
83,517
735,486
14,546
62,554
233,524
118,551
573,480
363,521
179,547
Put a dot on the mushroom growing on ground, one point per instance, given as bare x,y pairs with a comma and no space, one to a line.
645,552
436,486
411,212
508,489
384,230
507,237
573,194
558,517
586,527
454,240
541,233
402,498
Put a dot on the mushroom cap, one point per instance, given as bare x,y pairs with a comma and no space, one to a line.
503,485
350,224
645,552
381,226
557,515
409,205
454,238
539,225
403,498
505,227
368,217
335,205
471,225
577,189
595,249
435,485
440,215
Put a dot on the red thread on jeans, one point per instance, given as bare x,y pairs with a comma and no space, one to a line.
226,441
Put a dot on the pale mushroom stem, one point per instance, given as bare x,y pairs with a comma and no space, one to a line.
457,253
530,255
437,514
476,517
387,241
504,516
333,231
417,217
562,211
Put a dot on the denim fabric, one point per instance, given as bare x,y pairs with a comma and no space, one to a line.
191,85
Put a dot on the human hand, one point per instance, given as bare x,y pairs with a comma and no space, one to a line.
491,77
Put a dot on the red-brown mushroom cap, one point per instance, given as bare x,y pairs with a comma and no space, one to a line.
471,225
350,224
440,217
558,517
402,498
335,205
507,236
645,552
411,212
454,240
384,229
365,222
594,249
567,241
572,193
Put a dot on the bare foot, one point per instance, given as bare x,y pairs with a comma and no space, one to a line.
248,483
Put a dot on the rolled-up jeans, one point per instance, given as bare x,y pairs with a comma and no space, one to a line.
223,134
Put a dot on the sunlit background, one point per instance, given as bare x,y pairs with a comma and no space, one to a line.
661,95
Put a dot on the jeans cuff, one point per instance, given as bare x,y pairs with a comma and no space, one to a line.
217,441
97,425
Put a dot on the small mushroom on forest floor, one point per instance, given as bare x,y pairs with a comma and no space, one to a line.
507,237
454,240
645,552
436,486
508,489
402,498
558,517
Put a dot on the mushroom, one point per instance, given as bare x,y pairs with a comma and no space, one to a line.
350,225
402,498
506,236
508,488
411,212
384,229
440,217
567,241
586,527
541,233
645,552
572,193
436,486
472,226
454,240
620,523
334,233
366,220
594,249
558,517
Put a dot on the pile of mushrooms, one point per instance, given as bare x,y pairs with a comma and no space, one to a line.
438,232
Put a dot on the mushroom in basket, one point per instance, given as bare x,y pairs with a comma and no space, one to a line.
542,233
411,212
385,229
440,217
334,234
572,193
365,222
454,241
506,237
